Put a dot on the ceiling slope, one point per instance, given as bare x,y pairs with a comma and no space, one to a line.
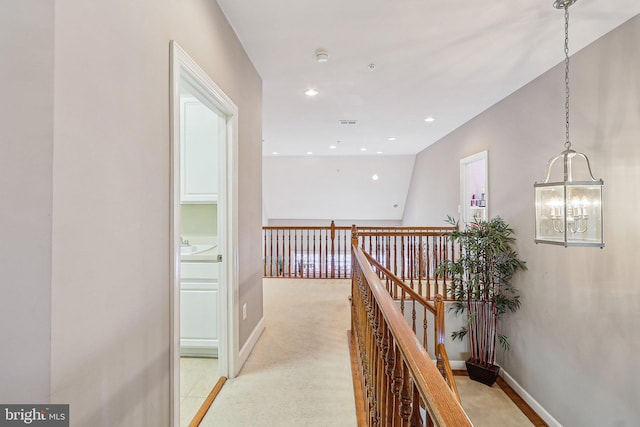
446,60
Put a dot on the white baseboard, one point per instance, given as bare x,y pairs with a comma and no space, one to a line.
250,344
529,399
458,364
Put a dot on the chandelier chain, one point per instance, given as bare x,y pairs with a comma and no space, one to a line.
567,143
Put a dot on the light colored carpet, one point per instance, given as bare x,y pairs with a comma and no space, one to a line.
489,406
299,373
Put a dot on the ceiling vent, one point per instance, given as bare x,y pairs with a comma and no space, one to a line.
348,122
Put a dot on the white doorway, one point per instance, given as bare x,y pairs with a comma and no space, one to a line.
203,236
474,188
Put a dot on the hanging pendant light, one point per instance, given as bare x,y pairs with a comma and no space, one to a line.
569,209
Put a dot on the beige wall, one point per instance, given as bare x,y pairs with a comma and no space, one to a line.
26,146
575,342
98,254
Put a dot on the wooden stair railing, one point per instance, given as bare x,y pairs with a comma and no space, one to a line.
404,295
412,253
309,252
400,384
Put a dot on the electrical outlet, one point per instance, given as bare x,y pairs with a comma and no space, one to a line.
244,311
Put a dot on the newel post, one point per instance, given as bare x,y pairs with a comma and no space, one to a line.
354,235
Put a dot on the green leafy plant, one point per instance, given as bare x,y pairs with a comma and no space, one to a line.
480,281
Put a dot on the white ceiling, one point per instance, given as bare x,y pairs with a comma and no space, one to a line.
447,59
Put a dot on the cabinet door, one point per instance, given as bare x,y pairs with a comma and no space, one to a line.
198,318
203,130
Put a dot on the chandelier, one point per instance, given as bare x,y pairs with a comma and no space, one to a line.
569,207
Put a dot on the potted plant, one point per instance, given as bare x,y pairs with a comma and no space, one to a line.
480,281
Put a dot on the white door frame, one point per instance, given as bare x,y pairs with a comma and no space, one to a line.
465,192
182,64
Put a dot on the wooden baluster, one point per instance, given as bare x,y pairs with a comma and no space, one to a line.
279,250
402,259
383,374
405,396
424,328
427,266
341,262
370,360
274,253
325,264
395,255
295,253
305,252
376,365
397,388
364,327
438,332
344,239
413,315
265,256
302,253
453,258
436,289
406,255
411,266
342,257
369,352
421,266
441,258
315,253
381,370
289,253
389,369
416,418
329,255
271,253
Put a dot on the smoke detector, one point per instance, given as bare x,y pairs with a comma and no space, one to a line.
321,55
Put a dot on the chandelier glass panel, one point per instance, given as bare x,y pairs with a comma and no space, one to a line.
569,208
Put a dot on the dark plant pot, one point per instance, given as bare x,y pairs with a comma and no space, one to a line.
481,374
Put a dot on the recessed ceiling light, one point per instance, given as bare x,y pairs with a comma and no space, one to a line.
309,153
333,147
391,138
311,92
378,152
429,119
363,149
375,177
275,153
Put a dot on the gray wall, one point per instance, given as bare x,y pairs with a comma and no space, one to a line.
575,342
26,147
94,245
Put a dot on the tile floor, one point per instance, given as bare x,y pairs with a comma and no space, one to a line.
198,376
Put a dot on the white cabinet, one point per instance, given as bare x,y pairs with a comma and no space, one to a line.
199,309
202,131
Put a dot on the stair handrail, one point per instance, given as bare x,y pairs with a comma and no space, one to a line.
399,377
